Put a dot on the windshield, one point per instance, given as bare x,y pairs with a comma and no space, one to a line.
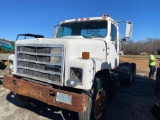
94,28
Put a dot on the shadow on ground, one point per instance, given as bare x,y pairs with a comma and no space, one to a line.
134,102
128,103
45,110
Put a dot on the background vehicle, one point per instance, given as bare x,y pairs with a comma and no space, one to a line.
11,58
79,70
7,46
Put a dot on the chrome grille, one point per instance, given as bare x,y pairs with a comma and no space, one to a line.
42,63
41,66
43,58
43,50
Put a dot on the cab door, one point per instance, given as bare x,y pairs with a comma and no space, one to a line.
113,52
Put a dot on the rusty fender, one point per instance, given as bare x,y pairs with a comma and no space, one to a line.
46,94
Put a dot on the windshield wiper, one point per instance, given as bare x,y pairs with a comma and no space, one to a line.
86,36
93,36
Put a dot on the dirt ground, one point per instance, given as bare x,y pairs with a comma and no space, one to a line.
129,103
141,63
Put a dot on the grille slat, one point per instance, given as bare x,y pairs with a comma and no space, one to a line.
43,58
41,63
43,50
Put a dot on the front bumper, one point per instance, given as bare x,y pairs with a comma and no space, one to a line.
46,94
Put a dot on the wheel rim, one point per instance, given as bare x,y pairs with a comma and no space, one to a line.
100,103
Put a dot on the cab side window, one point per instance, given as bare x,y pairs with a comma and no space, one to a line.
113,32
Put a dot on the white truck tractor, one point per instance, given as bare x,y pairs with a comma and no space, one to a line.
79,70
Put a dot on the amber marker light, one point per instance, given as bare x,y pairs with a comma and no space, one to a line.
85,55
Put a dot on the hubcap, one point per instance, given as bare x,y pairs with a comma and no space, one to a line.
100,103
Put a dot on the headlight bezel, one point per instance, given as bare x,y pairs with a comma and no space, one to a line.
77,74
10,65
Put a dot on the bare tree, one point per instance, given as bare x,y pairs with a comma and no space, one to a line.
135,48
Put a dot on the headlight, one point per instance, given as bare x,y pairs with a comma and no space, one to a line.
56,50
76,74
11,67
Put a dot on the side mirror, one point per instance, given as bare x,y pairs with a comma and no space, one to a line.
55,30
129,27
124,40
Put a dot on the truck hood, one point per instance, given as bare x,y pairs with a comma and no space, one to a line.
74,45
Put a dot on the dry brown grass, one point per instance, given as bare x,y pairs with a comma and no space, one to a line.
141,62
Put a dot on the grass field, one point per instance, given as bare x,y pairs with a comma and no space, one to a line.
141,62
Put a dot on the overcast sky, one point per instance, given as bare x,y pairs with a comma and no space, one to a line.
39,16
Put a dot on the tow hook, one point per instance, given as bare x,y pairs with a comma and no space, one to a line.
52,93
14,82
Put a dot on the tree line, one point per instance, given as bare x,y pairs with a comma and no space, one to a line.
136,48
130,48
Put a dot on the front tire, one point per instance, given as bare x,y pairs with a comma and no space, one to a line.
97,101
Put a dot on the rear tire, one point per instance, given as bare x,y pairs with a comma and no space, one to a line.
97,100
133,65
129,73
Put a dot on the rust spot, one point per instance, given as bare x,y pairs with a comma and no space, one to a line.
46,94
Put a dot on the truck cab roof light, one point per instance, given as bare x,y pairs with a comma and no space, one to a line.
82,19
85,55
76,19
87,18
105,16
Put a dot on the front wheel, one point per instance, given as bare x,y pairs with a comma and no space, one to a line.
97,101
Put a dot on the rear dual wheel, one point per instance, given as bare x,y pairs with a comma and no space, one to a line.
96,101
133,67
131,74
